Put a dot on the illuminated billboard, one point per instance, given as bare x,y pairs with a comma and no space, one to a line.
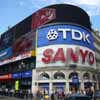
43,16
4,54
6,40
64,34
6,77
24,43
63,45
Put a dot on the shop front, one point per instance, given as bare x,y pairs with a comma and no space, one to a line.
23,79
6,81
59,86
44,87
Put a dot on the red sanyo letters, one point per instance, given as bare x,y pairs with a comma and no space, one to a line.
50,56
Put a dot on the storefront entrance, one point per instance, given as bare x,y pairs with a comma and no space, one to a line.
59,87
44,87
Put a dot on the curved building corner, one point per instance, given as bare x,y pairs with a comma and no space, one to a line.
65,51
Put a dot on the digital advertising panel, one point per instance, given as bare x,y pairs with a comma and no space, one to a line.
4,54
7,39
24,43
42,17
26,74
6,77
16,75
63,45
19,57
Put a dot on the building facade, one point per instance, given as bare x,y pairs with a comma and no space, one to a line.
65,52
96,44
54,49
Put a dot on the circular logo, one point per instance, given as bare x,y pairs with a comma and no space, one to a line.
52,34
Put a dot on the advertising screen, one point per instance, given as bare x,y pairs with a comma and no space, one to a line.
23,27
64,34
16,75
6,39
22,75
19,57
5,77
4,54
42,17
24,43
27,74
64,45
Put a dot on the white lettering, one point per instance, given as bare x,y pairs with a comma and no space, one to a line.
64,32
74,37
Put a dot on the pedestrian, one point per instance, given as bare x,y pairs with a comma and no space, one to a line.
38,95
52,96
89,92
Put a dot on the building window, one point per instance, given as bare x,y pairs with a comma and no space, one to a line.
72,74
86,76
44,76
59,75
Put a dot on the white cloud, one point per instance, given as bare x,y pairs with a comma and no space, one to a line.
93,10
90,6
21,3
89,2
86,2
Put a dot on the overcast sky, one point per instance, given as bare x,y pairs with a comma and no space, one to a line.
13,11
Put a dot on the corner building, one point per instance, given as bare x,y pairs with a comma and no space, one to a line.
53,50
65,52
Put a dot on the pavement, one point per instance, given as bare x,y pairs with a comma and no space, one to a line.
12,98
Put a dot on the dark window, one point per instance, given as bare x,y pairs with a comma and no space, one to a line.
86,76
59,75
73,74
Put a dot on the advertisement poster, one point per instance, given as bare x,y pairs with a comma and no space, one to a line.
24,43
42,17
4,54
64,45
6,39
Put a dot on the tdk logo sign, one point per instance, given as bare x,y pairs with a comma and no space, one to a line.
52,34
64,34
75,34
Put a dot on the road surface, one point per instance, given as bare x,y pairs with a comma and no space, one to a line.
11,98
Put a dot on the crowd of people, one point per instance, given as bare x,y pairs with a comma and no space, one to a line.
62,95
16,93
42,94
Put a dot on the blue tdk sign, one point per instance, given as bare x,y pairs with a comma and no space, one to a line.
64,34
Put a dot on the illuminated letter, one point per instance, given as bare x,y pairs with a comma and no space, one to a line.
91,58
86,37
75,37
64,32
59,56
83,55
74,56
47,56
